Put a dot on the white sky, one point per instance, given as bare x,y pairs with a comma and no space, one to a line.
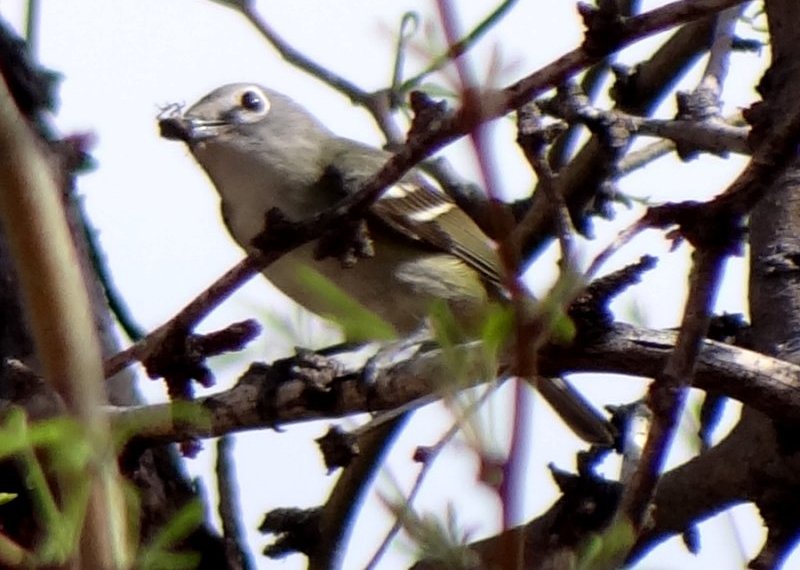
159,224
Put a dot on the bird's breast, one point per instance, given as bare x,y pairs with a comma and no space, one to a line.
249,187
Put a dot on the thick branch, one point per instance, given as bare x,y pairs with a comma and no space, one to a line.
259,401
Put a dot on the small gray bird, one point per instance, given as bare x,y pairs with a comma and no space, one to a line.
262,151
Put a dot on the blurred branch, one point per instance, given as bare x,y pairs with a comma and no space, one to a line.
459,47
337,516
57,305
229,510
116,302
668,392
32,25
426,456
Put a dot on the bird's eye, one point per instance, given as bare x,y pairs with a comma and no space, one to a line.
252,101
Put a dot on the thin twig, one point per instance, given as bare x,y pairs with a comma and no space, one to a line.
532,138
297,58
116,302
705,100
459,47
191,314
32,26
642,157
592,80
621,240
430,455
718,137
668,391
408,26
236,552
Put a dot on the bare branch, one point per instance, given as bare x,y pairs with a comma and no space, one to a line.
236,552
260,400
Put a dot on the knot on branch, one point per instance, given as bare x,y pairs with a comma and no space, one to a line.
296,530
730,328
590,310
572,104
588,504
349,239
625,90
605,197
604,28
348,242
280,234
705,227
314,372
429,115
342,231
702,104
338,448
179,356
74,152
533,135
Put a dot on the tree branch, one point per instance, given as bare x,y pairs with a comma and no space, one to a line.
260,400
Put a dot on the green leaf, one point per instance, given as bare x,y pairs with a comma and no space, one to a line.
186,413
357,322
497,328
157,554
54,432
63,438
609,549
437,540
7,497
563,329
171,561
13,433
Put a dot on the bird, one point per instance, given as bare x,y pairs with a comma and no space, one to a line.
264,151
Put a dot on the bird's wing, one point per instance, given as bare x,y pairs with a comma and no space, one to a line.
418,210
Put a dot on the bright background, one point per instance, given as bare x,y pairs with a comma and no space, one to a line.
159,226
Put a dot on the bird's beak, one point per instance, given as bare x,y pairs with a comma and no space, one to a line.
189,129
